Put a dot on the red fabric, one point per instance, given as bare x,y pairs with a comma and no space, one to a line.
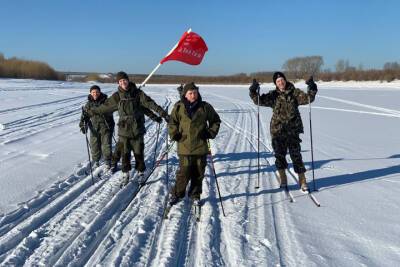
191,49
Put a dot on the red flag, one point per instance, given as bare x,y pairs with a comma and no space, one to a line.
190,49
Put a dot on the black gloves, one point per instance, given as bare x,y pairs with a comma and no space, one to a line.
167,118
311,84
205,135
177,137
254,87
83,129
158,119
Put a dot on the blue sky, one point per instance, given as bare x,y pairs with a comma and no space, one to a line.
242,36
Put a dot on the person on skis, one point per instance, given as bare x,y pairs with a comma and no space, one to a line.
101,127
286,124
193,121
129,101
116,156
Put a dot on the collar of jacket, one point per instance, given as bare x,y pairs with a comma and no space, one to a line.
102,97
288,90
131,88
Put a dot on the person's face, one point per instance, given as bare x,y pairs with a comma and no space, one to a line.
281,84
192,95
123,83
95,94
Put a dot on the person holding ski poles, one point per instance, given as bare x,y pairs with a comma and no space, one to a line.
129,101
119,146
101,127
192,122
286,124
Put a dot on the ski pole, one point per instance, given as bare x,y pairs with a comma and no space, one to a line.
155,149
215,175
109,128
258,138
312,147
87,144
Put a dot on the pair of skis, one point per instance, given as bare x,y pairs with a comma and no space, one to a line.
195,210
141,185
308,192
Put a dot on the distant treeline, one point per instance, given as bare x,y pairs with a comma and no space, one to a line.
29,69
295,69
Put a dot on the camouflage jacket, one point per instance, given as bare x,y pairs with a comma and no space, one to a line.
286,119
194,131
130,105
98,122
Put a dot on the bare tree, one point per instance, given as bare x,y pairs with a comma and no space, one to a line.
301,67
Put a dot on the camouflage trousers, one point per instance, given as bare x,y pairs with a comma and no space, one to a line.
191,168
124,148
281,144
100,145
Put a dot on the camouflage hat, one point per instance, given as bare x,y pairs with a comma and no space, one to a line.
122,75
278,75
188,87
94,87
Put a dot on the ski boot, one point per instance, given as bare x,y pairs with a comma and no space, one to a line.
282,178
197,208
107,166
141,179
125,179
303,182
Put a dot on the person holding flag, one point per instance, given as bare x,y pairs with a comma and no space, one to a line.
129,102
286,124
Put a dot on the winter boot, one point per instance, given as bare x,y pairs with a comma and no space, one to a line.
141,178
282,178
173,199
303,182
114,168
108,165
125,179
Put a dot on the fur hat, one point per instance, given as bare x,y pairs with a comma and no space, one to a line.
121,75
188,87
278,75
94,87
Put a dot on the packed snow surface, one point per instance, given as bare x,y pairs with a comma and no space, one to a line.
53,214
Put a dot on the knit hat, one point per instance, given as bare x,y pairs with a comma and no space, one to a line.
188,87
94,87
122,75
278,75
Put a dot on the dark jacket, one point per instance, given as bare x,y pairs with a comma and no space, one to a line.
192,129
99,122
130,104
286,119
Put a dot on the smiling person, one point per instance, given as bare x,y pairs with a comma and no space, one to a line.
129,101
101,128
286,125
192,122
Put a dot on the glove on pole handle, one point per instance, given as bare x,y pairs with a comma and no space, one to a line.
216,178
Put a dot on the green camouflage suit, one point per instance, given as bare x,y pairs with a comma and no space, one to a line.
191,132
286,124
131,129
101,129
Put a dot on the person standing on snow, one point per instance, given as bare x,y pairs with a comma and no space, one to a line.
129,102
286,124
192,122
116,156
101,127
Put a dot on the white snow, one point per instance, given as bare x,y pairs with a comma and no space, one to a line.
52,215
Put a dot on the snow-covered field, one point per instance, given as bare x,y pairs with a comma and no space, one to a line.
52,215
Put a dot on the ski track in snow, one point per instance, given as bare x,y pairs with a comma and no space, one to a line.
75,223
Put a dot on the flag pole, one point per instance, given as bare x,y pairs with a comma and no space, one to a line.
159,64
